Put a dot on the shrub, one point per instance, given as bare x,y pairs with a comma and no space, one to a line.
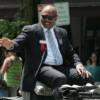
11,29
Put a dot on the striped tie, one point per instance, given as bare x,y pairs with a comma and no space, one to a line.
54,48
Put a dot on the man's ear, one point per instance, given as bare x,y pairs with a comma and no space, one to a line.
55,18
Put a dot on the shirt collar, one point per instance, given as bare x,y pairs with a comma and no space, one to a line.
45,29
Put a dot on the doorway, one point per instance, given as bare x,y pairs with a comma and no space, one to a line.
92,36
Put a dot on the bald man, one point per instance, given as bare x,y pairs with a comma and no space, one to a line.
47,50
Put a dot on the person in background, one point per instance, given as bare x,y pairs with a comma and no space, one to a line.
11,71
3,85
92,60
45,58
1,52
3,88
93,67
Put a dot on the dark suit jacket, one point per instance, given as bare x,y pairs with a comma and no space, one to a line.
30,39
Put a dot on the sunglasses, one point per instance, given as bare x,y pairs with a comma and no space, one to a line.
48,17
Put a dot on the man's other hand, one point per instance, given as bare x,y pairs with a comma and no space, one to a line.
82,71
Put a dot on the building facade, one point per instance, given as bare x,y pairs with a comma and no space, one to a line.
85,26
9,8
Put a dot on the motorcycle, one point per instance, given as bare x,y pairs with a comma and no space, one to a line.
69,92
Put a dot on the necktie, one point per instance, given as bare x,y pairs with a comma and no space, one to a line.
54,48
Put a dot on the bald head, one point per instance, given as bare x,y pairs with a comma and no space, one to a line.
49,9
48,16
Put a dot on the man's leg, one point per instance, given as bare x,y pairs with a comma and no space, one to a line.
25,95
30,96
75,78
53,78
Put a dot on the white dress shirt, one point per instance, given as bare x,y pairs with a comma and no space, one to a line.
50,59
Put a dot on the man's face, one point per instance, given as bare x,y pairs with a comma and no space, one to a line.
48,18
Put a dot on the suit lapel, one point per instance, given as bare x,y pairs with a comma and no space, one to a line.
42,41
58,36
56,31
59,39
41,32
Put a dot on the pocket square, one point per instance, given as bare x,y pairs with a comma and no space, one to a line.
42,44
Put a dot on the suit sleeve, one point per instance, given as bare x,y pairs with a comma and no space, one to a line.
22,39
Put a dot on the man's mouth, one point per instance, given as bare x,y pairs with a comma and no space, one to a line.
48,23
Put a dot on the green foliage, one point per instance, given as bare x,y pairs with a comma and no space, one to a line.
11,29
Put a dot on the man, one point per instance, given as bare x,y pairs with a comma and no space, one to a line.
41,62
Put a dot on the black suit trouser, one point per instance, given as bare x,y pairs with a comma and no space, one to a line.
55,76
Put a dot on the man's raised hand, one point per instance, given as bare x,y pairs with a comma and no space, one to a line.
5,42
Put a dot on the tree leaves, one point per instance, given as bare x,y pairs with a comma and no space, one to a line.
11,29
